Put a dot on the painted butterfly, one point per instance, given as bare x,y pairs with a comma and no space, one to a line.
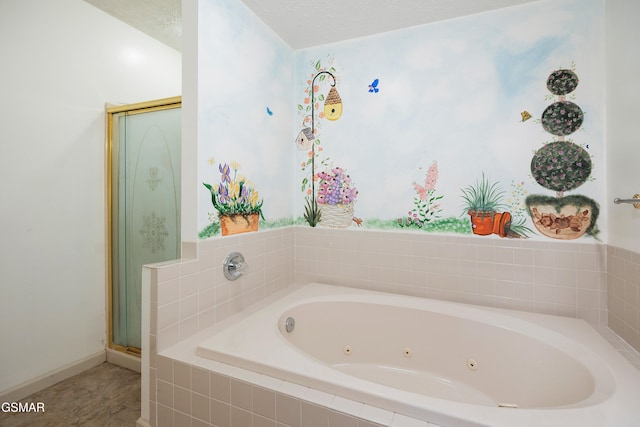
373,87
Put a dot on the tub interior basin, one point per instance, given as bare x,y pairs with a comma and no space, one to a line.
444,356
416,354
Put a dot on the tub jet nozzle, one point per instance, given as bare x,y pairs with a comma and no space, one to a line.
289,324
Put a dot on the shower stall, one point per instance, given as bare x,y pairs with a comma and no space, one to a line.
143,203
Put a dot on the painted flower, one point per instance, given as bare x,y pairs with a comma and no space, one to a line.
234,195
426,206
226,173
223,193
335,187
234,189
432,176
254,198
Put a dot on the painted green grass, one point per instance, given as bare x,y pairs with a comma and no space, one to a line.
442,225
210,230
213,229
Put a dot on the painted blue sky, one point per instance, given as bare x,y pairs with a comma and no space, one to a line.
453,92
450,92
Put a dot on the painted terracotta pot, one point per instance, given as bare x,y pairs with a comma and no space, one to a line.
570,222
563,218
486,223
235,224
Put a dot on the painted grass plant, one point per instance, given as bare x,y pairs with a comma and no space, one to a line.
483,198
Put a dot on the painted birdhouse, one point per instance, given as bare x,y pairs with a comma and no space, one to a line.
333,105
303,141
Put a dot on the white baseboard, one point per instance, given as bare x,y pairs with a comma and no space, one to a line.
123,359
21,391
143,423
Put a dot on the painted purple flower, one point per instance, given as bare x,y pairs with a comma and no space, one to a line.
225,170
335,188
244,193
223,192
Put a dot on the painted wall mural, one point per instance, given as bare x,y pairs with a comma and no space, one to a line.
245,118
562,165
236,201
445,145
330,194
481,125
426,205
484,203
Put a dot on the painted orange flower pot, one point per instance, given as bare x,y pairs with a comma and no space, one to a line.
486,223
238,223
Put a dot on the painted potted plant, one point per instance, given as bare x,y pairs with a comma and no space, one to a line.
236,200
336,198
561,166
482,202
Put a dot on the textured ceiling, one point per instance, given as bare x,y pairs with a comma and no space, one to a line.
305,23
160,19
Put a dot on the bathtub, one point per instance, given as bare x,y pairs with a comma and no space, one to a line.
446,363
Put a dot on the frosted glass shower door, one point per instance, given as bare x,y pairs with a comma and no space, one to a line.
145,211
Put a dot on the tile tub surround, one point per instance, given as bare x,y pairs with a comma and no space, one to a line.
200,392
184,297
623,279
551,277
188,296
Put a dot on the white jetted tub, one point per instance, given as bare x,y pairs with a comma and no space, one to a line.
447,363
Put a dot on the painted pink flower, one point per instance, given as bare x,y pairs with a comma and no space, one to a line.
422,191
432,176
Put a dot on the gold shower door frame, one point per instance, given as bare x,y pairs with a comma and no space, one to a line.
113,116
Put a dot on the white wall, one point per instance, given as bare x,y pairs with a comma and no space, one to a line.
190,106
623,126
61,61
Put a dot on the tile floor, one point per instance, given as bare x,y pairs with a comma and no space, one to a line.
104,396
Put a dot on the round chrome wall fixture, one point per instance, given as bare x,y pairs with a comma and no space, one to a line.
234,266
